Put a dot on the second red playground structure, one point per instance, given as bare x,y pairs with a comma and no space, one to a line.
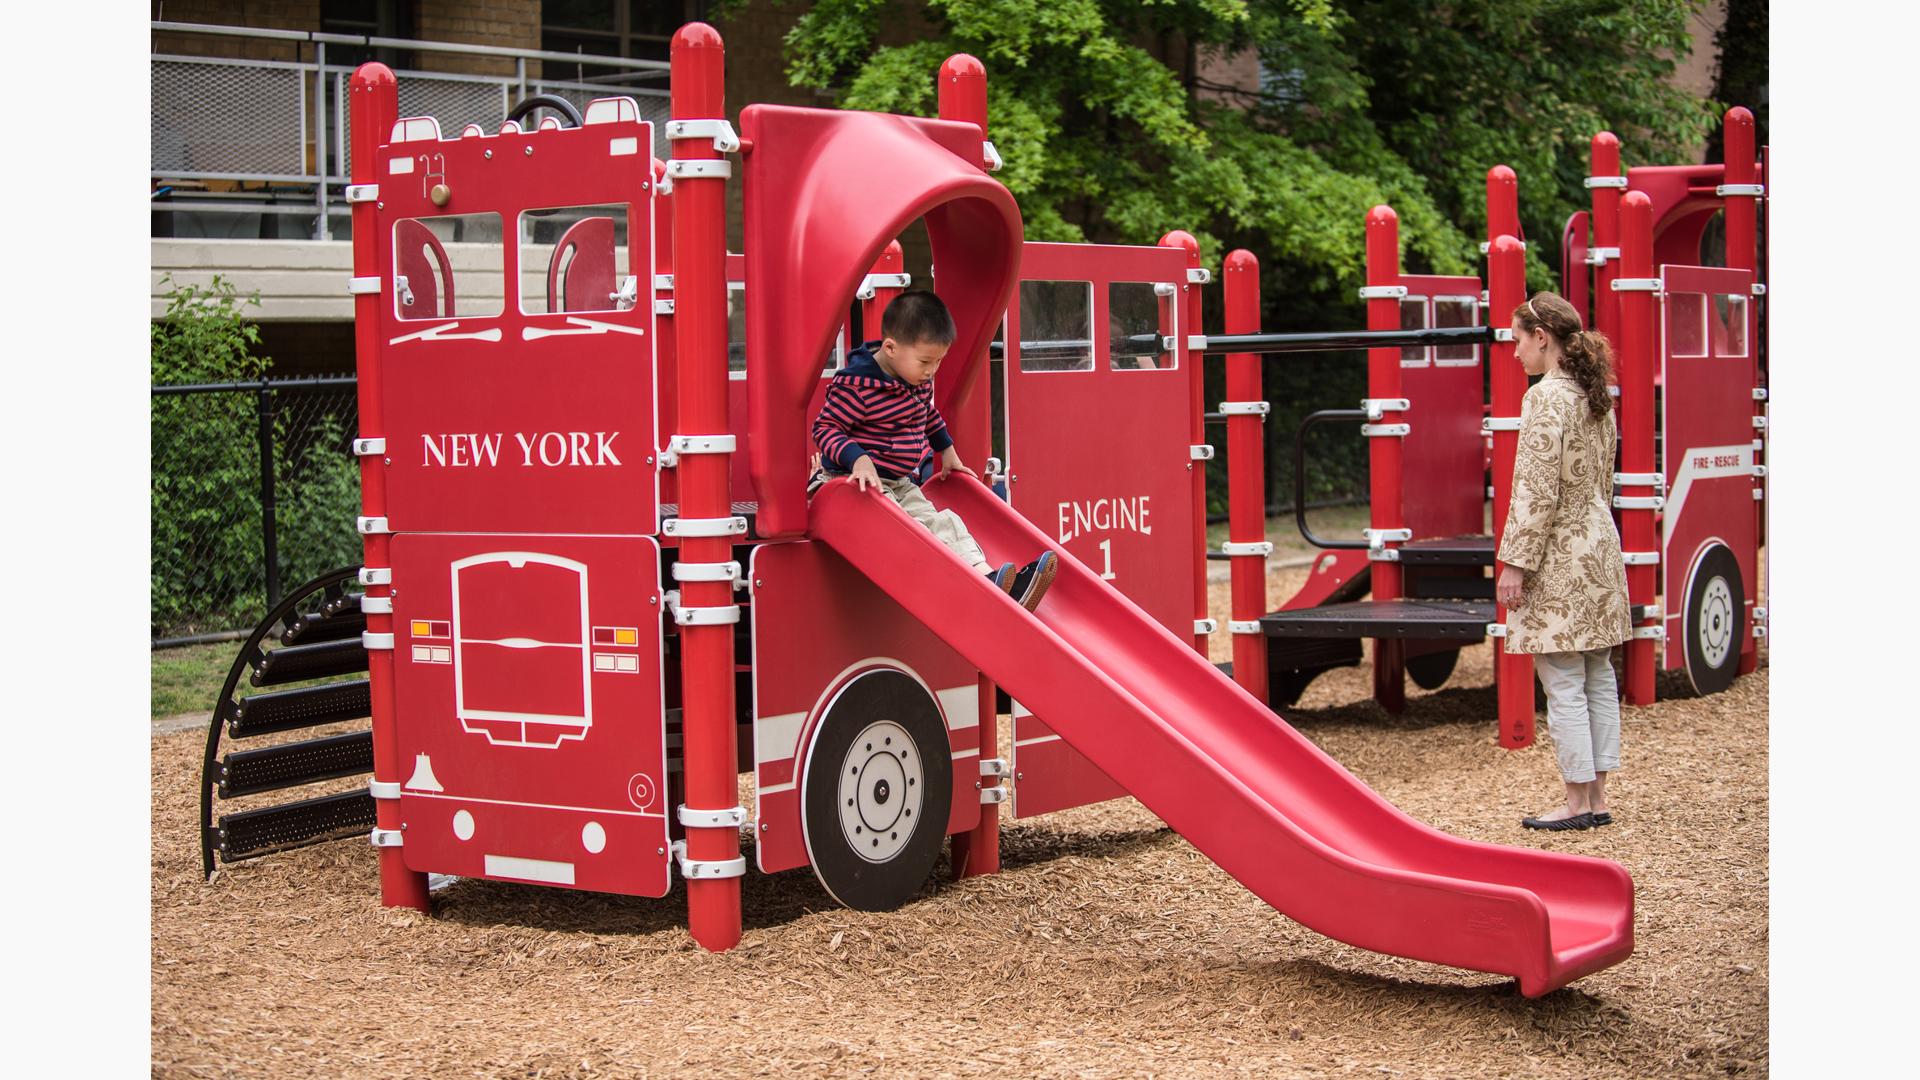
596,591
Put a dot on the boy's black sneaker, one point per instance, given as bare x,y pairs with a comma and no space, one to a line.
1030,584
1003,577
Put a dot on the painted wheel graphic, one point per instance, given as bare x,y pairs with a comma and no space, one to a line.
877,791
1715,621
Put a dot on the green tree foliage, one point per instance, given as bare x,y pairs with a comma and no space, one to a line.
1109,134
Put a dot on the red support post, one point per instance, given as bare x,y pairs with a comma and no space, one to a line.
1606,184
698,59
1635,346
963,96
1506,290
374,105
1188,326
1246,475
1384,451
1743,253
891,261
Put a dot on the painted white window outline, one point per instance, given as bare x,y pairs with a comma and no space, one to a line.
548,234
581,722
1449,355
1416,313
1038,303
1730,315
434,255
1166,325
1684,324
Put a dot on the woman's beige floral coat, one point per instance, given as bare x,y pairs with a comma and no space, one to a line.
1560,526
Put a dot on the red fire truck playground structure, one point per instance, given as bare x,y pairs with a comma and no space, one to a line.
596,591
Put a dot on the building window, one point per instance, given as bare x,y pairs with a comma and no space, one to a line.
372,18
638,29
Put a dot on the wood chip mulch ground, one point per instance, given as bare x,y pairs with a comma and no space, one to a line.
1108,946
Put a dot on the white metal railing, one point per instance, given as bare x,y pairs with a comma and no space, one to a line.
283,124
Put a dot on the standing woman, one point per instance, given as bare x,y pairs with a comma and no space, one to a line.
1563,581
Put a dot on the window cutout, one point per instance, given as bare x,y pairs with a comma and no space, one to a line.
1729,325
1686,324
1137,319
448,267
1454,311
737,336
575,259
1056,326
1413,316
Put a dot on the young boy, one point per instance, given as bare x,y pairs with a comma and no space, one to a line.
879,425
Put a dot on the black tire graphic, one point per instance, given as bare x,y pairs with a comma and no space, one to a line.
1715,622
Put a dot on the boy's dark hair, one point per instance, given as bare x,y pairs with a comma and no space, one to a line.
917,317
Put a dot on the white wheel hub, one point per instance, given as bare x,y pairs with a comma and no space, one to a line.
1717,622
881,784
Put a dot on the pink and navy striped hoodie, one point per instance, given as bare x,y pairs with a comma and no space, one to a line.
870,412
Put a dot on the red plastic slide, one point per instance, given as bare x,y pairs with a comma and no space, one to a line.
1255,796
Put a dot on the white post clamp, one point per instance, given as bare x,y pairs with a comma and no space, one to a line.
1653,633
994,766
387,838
1606,182
881,281
707,571
1262,548
358,193
699,169
1651,479
363,286
1382,292
708,869
1724,190
1202,452
991,155
1636,284
1600,256
1495,629
1639,502
1760,471
1198,275
1759,289
376,575
1759,393
663,283
369,447
994,794
726,526
701,444
1491,424
1759,494
663,306
1244,626
1376,537
372,526
1640,558
1375,407
722,615
1383,554
1205,626
372,641
724,139
376,605
1245,408
731,817
384,789
1385,431
1760,423
1503,333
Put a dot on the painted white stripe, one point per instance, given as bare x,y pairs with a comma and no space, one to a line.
961,704
396,166
412,794
622,147
1036,741
1020,710
776,738
775,789
554,873
580,722
958,754
1703,463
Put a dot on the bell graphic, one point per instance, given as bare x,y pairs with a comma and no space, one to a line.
423,778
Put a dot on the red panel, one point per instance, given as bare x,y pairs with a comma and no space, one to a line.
1707,441
817,623
1100,464
582,282
515,422
1574,273
1443,456
533,755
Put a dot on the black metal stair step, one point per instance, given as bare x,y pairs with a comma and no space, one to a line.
277,828
1445,619
1450,551
342,604
317,661
308,706
312,629
248,772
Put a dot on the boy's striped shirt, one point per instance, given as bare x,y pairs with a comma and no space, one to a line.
870,412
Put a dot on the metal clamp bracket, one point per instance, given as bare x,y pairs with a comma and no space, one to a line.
1650,633
369,447
994,766
694,527
1385,431
1376,537
1244,626
724,139
363,286
1724,190
1495,629
995,794
376,605
731,817
663,305
699,169
1195,342
373,641
1640,558
707,869
721,615
1503,333
376,575
1382,292
1198,275
728,572
1759,631
1377,554
384,789
1653,613
1205,626
1651,479
663,283
1376,407
372,526
1606,182
694,444
991,155
1760,423
1639,502
359,193
1491,424
1245,408
1760,471
881,281
1759,393
1262,548
1203,452
387,838
1600,256
1759,612
1637,284
1759,289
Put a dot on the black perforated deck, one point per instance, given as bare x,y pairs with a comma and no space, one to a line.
246,772
1447,619
297,662
277,828
1452,551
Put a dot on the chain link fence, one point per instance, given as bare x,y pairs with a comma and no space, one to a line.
255,489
